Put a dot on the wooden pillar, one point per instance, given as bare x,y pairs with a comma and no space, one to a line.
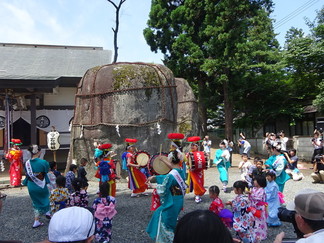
33,129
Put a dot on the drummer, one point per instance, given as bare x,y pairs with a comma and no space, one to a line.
137,180
176,145
106,167
196,175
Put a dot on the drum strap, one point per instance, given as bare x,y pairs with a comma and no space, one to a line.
180,181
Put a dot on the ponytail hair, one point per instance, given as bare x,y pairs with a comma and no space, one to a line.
240,185
34,149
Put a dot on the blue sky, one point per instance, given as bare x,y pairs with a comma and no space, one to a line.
89,22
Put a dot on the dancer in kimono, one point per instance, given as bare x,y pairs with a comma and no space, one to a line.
36,180
175,145
257,197
196,172
272,198
106,168
243,220
171,191
277,162
137,180
222,161
15,156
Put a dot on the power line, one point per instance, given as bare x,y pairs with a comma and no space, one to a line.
293,14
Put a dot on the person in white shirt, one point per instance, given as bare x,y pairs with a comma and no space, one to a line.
317,143
207,145
283,140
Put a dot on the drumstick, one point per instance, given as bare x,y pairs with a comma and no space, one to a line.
160,148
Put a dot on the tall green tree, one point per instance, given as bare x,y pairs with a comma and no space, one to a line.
303,57
224,48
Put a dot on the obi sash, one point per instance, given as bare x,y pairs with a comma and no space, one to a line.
179,180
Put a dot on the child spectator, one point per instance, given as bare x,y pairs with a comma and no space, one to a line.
243,221
82,174
257,197
249,178
259,170
272,198
79,197
104,207
59,195
53,167
244,166
70,175
217,207
52,177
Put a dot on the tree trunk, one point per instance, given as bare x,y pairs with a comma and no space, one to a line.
228,108
202,106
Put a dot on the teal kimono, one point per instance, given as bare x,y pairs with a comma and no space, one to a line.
163,222
278,164
38,195
222,164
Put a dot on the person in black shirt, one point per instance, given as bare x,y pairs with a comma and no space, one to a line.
318,174
82,172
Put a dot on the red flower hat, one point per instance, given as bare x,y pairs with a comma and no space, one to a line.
131,140
105,146
194,139
175,136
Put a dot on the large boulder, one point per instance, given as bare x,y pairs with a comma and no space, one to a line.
187,117
128,100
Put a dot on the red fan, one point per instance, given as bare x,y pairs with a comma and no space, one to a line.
105,146
130,140
175,136
194,139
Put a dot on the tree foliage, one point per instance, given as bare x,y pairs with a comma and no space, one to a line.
304,55
227,49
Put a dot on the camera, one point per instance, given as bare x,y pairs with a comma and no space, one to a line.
286,215
318,158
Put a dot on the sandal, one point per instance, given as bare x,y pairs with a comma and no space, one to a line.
40,224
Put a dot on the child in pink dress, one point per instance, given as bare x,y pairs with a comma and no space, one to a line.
257,197
217,207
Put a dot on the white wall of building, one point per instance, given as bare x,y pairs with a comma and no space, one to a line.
61,96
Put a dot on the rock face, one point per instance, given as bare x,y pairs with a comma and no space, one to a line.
129,100
187,117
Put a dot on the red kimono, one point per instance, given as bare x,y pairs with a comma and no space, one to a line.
15,158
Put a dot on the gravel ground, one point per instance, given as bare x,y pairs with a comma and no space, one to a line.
133,214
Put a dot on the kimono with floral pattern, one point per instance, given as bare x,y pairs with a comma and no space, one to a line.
216,207
258,201
243,221
58,199
79,198
103,227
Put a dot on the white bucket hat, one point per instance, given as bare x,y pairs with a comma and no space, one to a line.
71,224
